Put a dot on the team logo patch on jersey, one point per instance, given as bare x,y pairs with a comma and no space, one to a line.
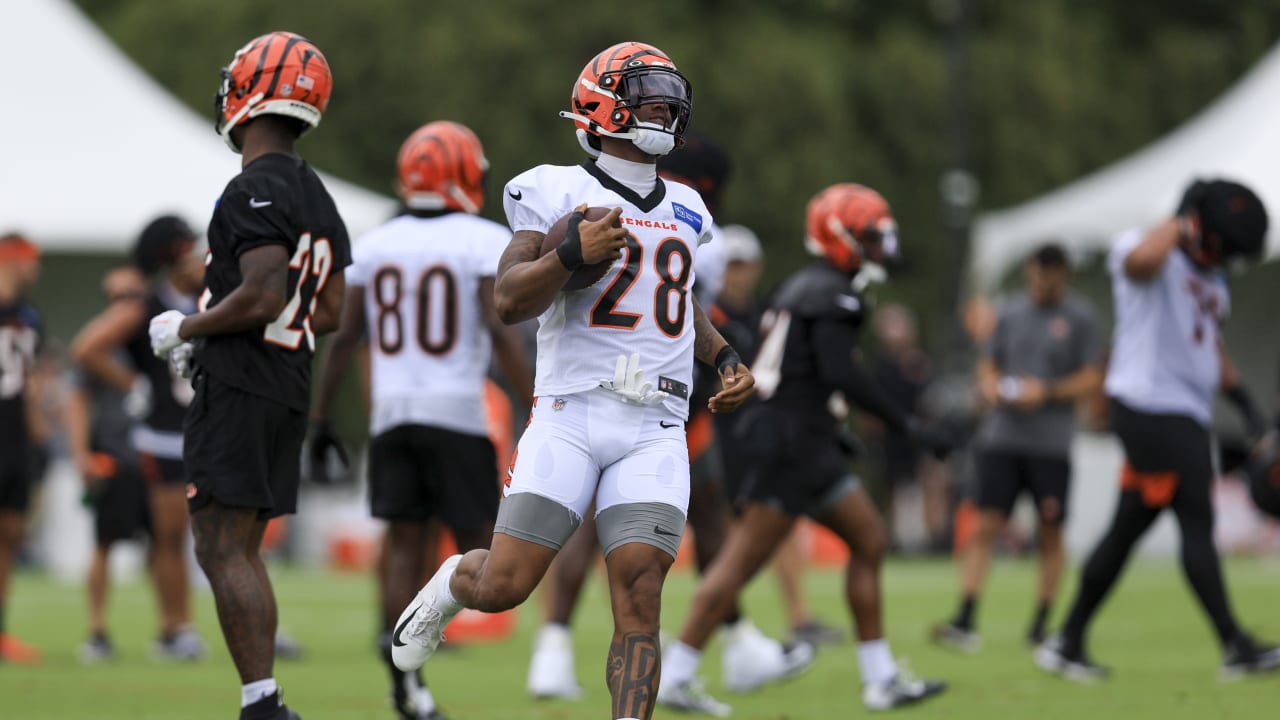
687,215
559,404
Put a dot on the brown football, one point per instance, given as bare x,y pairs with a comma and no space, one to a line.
587,275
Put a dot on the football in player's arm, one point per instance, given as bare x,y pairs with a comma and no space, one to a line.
595,346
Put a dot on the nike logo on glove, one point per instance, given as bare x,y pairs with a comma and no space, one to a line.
395,637
516,195
256,203
658,529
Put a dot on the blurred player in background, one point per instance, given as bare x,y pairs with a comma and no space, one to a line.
599,430
1168,360
750,659
115,349
98,436
273,281
421,287
1046,356
808,353
20,338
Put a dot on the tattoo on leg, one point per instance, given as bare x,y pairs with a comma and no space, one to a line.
632,674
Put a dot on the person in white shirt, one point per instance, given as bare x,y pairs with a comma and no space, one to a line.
421,287
1167,362
600,431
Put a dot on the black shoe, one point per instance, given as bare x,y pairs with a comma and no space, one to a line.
406,700
1053,657
1246,656
271,707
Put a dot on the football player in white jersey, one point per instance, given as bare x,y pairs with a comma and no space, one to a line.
1168,360
615,364
751,659
421,286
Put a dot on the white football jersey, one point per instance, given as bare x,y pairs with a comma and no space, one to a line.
1164,356
428,342
643,305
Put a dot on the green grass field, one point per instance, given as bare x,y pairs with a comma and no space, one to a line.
1164,657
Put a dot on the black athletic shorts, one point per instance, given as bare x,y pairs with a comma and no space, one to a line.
1004,474
241,449
161,471
15,479
1168,457
793,469
120,507
418,472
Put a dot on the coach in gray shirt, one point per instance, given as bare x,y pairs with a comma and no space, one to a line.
1045,355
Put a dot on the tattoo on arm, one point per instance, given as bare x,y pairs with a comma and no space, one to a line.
707,341
632,674
524,247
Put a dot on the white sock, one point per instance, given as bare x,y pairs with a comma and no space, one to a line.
256,690
451,604
680,663
876,662
555,635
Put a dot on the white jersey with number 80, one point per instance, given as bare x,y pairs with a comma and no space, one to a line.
428,342
643,305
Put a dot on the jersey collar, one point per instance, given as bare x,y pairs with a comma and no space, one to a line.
645,203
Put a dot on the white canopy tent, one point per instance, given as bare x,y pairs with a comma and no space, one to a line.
93,147
1233,138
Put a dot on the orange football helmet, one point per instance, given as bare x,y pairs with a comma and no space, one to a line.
847,223
279,73
442,167
621,79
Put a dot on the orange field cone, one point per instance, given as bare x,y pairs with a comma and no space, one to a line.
17,652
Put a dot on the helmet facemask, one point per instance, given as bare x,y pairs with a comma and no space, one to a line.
631,89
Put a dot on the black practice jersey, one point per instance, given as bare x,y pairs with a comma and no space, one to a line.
277,200
170,392
793,364
20,330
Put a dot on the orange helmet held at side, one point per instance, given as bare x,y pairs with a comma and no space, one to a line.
442,167
279,73
617,82
848,223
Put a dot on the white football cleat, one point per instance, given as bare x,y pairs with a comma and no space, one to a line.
421,626
691,697
751,660
551,671
902,690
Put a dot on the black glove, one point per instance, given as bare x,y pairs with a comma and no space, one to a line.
324,439
931,436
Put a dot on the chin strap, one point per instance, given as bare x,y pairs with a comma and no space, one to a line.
636,135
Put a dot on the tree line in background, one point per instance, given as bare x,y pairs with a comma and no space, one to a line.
803,93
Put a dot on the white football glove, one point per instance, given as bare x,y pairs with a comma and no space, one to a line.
137,403
180,360
164,332
628,381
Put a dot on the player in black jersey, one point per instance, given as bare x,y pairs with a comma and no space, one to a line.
273,281
115,350
807,355
20,333
97,429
